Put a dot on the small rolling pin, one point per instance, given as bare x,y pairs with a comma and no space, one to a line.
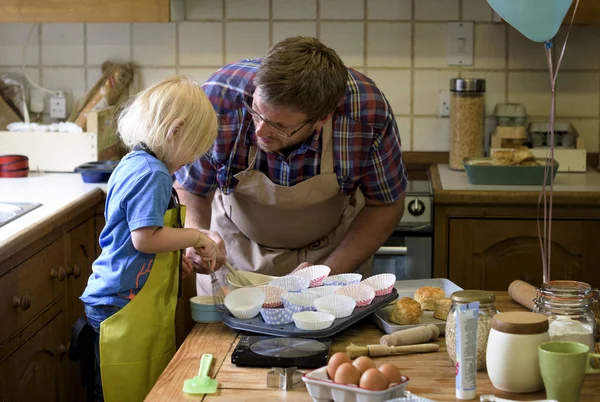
354,351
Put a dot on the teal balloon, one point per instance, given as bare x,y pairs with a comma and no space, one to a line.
538,20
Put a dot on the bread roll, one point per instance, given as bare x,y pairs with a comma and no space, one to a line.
503,156
521,155
406,311
442,307
426,295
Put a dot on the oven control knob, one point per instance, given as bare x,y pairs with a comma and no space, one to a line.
416,207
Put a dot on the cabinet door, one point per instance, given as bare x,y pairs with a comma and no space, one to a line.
491,253
35,371
588,13
81,253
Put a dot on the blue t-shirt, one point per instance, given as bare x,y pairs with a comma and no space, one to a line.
139,191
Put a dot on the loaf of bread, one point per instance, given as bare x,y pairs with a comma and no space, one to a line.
441,308
406,311
426,295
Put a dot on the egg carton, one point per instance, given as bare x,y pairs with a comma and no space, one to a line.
321,388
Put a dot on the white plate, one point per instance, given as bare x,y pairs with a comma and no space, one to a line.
407,289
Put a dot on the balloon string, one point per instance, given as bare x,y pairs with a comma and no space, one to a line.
546,239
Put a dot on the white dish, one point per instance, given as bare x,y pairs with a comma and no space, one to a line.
291,283
363,294
301,301
338,305
315,274
313,320
322,290
245,303
321,388
407,289
342,279
382,284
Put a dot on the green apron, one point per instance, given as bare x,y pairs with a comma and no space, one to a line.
138,341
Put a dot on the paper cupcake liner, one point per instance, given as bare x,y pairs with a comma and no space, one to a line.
291,283
338,305
299,301
272,296
362,294
315,274
342,279
322,290
244,303
313,320
276,316
382,284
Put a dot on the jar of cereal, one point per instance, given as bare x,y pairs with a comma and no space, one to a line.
487,310
467,120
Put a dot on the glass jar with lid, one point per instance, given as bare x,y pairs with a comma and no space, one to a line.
568,305
487,310
467,120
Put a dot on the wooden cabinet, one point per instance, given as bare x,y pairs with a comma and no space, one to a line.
491,253
91,10
36,371
588,13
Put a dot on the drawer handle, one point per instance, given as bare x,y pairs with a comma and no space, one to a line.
62,350
59,274
24,302
75,271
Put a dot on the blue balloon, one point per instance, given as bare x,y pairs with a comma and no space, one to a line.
538,20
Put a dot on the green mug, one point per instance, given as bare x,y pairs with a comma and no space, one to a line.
563,366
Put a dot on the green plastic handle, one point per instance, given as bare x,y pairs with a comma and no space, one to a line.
205,363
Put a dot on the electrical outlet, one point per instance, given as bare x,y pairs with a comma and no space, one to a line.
444,103
58,106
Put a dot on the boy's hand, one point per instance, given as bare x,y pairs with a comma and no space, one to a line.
186,266
208,253
207,250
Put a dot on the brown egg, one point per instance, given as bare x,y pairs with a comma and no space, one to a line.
363,363
334,362
373,380
347,374
391,372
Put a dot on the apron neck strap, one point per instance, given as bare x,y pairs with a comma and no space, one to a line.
327,148
143,147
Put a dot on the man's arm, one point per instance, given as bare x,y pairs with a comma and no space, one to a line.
370,229
198,210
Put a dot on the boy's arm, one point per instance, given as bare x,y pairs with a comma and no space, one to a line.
156,239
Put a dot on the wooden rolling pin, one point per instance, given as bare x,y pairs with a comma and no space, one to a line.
354,351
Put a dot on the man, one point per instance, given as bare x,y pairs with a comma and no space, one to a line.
307,166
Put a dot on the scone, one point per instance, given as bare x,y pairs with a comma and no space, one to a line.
521,155
441,309
406,311
426,295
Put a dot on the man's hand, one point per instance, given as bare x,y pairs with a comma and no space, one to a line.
186,266
203,267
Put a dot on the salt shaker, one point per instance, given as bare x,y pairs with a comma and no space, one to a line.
512,351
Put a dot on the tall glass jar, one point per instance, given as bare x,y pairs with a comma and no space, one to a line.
568,305
467,120
487,310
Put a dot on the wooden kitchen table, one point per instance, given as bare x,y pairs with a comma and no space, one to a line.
431,374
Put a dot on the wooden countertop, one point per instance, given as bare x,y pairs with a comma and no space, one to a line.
571,189
431,374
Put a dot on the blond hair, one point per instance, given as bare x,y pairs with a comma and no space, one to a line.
174,118
302,74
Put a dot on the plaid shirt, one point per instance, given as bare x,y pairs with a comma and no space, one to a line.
366,142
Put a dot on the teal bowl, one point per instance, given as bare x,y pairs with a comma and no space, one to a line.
204,310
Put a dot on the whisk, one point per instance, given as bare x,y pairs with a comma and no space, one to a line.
239,278
218,296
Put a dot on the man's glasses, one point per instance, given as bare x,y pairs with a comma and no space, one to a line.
257,116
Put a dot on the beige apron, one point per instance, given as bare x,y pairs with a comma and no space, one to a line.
272,229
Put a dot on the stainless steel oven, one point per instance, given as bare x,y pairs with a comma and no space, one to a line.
408,253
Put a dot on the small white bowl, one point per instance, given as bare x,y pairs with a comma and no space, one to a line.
299,301
322,290
342,279
245,303
276,316
363,294
313,320
338,305
291,283
315,274
272,296
382,284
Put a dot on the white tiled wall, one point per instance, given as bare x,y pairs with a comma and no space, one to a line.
401,44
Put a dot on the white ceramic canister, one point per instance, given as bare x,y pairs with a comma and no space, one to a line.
512,351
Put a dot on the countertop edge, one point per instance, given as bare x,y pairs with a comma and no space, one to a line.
37,230
442,196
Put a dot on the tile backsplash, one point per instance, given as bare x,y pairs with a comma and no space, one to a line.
400,44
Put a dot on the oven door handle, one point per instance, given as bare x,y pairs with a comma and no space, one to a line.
388,250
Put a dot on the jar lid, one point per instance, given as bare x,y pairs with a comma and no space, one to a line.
468,296
467,85
520,322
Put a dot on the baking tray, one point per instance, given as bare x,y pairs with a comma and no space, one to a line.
480,171
257,325
407,289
